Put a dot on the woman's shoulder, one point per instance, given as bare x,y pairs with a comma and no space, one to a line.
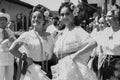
25,37
24,34
27,33
118,32
80,31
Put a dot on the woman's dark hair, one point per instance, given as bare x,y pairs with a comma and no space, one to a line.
39,8
42,10
68,5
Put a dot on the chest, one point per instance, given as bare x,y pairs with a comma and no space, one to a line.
113,41
69,38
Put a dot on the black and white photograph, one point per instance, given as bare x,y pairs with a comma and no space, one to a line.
59,39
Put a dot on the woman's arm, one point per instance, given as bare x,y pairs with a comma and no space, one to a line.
14,49
88,47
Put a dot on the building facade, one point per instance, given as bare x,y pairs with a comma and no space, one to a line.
105,4
19,13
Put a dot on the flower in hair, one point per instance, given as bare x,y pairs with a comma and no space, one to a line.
75,12
72,6
76,9
46,13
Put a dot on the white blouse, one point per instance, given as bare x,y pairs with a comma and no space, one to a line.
67,69
33,45
71,41
6,58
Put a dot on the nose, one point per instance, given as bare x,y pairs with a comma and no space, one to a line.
64,16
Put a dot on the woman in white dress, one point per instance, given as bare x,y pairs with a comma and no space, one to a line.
73,48
38,45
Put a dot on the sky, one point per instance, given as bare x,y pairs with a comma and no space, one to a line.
51,4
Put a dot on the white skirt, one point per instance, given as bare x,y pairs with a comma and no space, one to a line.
66,69
34,72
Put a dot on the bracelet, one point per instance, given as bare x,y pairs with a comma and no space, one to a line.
24,56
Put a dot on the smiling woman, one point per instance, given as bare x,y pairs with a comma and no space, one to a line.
39,46
72,47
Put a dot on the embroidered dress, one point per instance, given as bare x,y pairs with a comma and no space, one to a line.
66,69
33,49
34,72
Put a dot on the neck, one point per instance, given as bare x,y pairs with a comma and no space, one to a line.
40,31
70,26
116,28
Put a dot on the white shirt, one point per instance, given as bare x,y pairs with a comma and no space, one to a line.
112,45
72,41
6,58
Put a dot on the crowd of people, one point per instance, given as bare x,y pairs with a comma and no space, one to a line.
59,48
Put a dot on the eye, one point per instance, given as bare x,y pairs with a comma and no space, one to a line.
33,17
39,17
3,19
101,22
66,14
109,15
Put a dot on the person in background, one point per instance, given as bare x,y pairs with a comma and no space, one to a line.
73,47
11,25
39,47
110,66
97,35
6,39
56,27
102,24
52,27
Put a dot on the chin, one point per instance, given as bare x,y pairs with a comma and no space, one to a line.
36,24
